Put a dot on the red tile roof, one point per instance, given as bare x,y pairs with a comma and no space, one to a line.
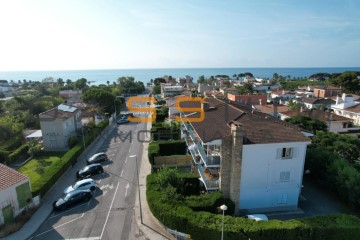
317,114
259,127
9,177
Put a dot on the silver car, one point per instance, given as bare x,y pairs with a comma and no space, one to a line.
85,184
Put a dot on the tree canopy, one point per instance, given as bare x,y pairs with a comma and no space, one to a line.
103,98
348,81
129,85
308,123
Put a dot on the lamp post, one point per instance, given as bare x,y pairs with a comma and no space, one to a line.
138,186
223,208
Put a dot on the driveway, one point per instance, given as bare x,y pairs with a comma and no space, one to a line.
314,200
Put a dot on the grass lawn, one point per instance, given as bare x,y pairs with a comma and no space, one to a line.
38,166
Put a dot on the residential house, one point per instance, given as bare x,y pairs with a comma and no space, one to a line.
282,95
265,87
15,193
316,102
5,88
335,123
202,88
328,91
58,125
252,99
254,159
271,109
66,94
185,81
226,90
170,90
348,106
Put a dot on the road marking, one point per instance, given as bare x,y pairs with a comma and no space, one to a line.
106,166
122,171
107,217
126,159
61,225
126,189
89,238
99,181
67,211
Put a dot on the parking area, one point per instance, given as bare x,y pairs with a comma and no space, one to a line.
314,201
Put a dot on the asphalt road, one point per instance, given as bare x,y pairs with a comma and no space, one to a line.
110,213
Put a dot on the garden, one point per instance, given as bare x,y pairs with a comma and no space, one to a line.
174,199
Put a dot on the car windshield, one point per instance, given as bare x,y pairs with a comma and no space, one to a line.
86,168
67,196
76,185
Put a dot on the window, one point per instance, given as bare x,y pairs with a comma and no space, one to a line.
285,176
287,153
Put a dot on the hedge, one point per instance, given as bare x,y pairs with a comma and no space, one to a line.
17,153
335,173
207,225
48,179
166,148
56,171
161,131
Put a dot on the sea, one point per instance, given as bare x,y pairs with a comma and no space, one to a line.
97,77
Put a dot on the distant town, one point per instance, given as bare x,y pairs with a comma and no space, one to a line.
266,151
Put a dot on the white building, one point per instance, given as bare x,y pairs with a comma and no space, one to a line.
58,125
15,193
254,159
170,90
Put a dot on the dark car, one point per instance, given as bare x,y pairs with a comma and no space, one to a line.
89,171
72,198
122,121
96,158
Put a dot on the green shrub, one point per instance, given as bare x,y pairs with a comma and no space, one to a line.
43,184
72,141
179,215
4,156
18,152
11,144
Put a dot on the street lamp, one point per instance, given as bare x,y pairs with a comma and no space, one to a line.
223,208
138,186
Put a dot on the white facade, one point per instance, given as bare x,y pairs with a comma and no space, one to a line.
8,196
170,90
270,181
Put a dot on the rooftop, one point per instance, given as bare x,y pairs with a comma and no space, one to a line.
9,177
259,128
61,112
317,114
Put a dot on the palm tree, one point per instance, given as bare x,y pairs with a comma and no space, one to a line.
108,82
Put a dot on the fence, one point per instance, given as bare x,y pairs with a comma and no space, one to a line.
172,161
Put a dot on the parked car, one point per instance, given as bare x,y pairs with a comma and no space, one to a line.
72,198
127,114
96,158
85,184
257,217
90,170
122,121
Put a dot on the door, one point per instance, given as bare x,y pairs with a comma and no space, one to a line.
8,214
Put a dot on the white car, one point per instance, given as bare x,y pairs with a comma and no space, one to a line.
257,217
85,184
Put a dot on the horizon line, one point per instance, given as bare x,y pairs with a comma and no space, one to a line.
109,69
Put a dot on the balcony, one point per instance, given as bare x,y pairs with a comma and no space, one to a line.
209,176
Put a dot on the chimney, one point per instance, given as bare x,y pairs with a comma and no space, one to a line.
337,100
260,101
205,106
301,109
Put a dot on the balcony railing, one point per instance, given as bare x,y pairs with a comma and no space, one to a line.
210,184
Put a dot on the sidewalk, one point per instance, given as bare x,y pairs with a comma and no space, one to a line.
45,209
150,226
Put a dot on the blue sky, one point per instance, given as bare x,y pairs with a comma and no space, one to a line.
94,34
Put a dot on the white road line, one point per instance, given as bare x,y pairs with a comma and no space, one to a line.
61,225
122,171
126,189
99,181
89,238
107,217
67,211
126,160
